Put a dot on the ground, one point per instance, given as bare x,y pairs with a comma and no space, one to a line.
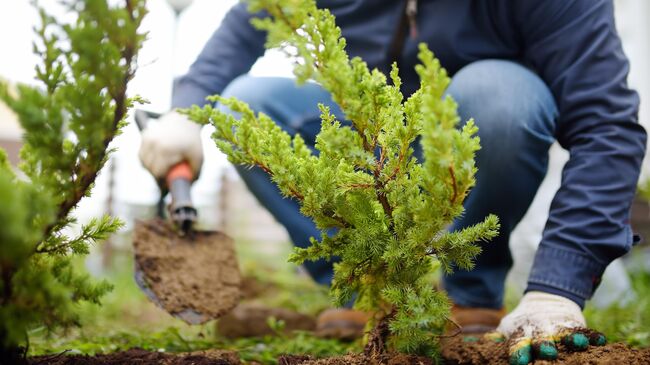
128,320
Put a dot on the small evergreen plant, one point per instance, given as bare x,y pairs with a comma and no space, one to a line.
383,212
68,121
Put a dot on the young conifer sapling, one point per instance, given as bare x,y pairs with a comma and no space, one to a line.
383,211
68,122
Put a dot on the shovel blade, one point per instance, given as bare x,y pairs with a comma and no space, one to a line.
195,278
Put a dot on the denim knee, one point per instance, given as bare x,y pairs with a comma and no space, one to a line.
515,113
507,101
254,91
294,108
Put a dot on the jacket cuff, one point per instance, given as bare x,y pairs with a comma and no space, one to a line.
570,274
186,94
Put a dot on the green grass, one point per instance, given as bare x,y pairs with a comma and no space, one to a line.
629,323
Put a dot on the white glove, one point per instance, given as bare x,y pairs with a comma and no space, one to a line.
172,139
539,323
541,315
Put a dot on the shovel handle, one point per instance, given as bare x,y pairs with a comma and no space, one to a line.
182,211
181,170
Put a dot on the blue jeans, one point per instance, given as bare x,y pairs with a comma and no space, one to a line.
515,113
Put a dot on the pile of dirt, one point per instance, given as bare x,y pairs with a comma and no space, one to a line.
459,351
356,359
195,278
216,357
138,356
456,351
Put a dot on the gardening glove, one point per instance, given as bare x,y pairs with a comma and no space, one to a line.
173,139
539,322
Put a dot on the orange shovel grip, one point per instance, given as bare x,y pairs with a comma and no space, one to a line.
182,170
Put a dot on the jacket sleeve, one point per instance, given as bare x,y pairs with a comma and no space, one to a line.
575,48
230,52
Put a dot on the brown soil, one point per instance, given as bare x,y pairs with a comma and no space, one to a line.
357,359
215,357
251,320
138,356
195,278
456,351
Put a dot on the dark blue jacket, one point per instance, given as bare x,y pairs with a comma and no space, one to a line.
573,46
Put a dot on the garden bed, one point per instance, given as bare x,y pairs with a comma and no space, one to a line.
215,357
456,351
138,356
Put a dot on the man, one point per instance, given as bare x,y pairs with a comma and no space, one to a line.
529,72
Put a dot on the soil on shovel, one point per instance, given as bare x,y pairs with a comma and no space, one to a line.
458,351
138,356
198,273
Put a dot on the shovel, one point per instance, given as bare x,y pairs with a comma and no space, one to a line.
191,274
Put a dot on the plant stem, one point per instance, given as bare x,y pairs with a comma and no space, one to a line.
376,345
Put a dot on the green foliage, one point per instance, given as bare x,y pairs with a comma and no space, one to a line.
68,124
628,322
388,210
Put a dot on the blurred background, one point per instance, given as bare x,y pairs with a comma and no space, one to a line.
178,30
125,188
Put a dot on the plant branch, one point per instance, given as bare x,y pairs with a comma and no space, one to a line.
299,196
453,184
380,193
360,186
84,177
7,288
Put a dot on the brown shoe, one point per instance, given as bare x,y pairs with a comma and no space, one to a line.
341,323
476,320
251,320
